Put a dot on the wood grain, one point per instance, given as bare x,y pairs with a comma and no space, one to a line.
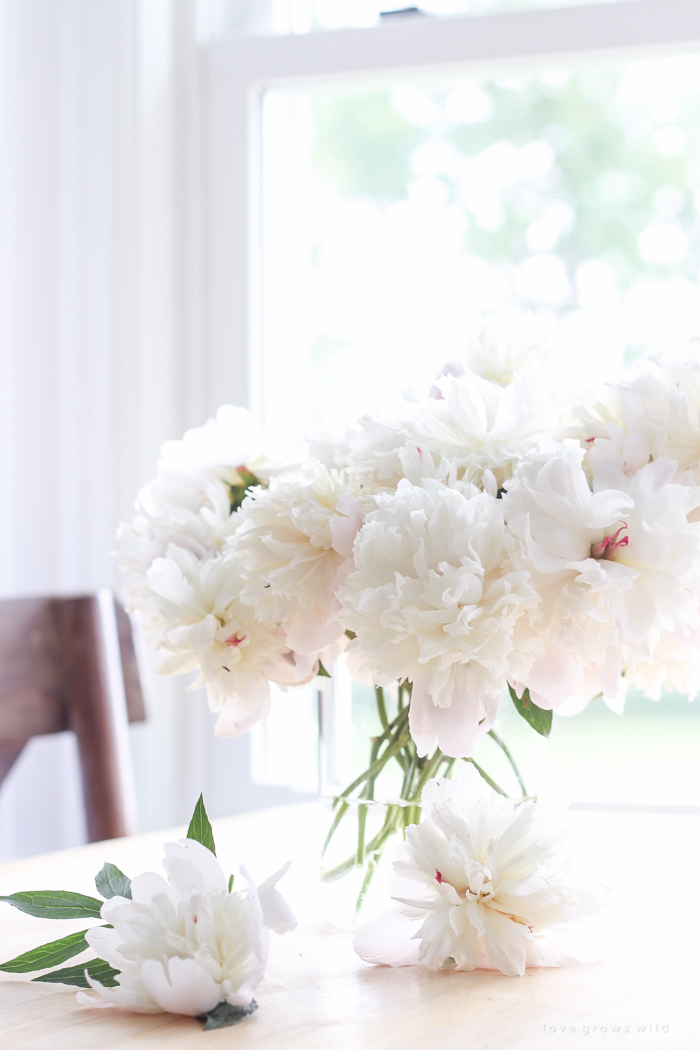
317,995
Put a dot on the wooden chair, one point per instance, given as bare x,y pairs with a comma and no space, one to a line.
69,663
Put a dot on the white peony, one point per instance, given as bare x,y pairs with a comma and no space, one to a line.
199,484
194,617
476,426
655,413
233,439
675,667
434,599
293,542
192,511
185,945
681,383
616,564
481,881
506,344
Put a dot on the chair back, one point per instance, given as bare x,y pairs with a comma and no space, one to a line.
70,663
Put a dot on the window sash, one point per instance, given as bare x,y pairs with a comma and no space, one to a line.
238,71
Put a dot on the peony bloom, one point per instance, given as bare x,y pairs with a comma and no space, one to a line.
655,413
191,511
675,667
506,344
195,619
475,425
481,881
191,500
616,562
185,945
232,439
434,599
292,545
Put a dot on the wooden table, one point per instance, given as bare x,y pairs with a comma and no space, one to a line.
317,995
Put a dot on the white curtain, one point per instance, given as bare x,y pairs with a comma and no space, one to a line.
103,349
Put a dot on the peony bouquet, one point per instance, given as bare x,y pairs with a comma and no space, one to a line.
497,539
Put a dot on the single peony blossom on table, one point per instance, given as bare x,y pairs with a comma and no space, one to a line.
186,945
483,882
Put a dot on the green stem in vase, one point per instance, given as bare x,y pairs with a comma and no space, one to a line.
372,847
369,875
339,814
391,826
429,770
504,748
399,729
361,824
484,776
395,744
381,706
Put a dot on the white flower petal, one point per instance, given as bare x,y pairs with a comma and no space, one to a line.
388,939
143,889
105,944
129,994
181,988
192,868
277,915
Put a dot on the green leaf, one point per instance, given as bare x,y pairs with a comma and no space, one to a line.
322,672
98,969
247,477
55,904
230,883
537,717
111,882
50,954
200,828
224,1015
237,493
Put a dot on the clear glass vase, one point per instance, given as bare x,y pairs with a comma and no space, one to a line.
371,780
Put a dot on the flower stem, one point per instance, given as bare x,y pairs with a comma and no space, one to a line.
381,706
361,823
395,745
339,814
504,748
484,776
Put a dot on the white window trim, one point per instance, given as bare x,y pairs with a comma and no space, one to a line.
238,71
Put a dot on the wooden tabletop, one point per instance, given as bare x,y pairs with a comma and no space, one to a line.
317,995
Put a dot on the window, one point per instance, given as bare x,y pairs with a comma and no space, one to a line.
375,192
397,215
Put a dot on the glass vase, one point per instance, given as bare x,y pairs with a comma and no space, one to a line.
371,779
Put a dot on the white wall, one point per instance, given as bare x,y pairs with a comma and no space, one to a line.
102,351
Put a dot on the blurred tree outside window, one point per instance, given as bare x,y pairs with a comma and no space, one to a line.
398,215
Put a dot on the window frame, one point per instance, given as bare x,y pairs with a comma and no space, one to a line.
239,70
